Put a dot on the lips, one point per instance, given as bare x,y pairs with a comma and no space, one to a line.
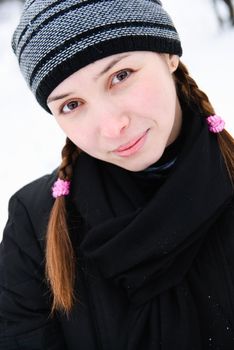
132,146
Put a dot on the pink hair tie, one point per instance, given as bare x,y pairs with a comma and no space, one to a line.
60,188
215,123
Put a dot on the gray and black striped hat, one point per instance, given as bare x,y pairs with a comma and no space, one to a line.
55,38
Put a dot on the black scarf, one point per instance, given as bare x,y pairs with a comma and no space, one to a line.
146,248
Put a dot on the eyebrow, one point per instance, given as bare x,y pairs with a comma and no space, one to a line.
111,65
58,97
105,70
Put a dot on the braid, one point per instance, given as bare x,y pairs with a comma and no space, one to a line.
69,153
189,92
60,258
191,95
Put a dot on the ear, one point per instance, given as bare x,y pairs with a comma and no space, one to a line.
172,62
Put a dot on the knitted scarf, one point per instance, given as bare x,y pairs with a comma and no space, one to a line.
147,251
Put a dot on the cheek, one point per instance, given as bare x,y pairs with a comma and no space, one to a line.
159,101
155,94
83,138
81,135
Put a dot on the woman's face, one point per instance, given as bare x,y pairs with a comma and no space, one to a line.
122,109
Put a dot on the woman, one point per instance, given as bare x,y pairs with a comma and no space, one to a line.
128,244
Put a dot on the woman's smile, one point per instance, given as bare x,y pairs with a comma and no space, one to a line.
132,147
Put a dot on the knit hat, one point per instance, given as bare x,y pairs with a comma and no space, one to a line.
55,38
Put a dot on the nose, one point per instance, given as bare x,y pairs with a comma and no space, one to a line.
112,123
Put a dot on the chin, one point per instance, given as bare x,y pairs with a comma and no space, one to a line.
141,161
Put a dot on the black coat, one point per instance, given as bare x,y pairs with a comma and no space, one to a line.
98,320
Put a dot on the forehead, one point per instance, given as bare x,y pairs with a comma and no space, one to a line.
102,65
96,69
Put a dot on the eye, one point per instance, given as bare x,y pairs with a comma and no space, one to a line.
69,107
120,76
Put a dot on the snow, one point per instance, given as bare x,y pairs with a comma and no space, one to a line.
30,140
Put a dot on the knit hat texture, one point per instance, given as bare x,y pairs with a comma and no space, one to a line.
55,38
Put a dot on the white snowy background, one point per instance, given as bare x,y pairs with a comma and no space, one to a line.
30,141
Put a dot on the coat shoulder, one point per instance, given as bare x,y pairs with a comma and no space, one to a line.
25,298
38,192
30,206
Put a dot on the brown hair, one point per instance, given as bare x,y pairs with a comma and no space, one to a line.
60,259
189,93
